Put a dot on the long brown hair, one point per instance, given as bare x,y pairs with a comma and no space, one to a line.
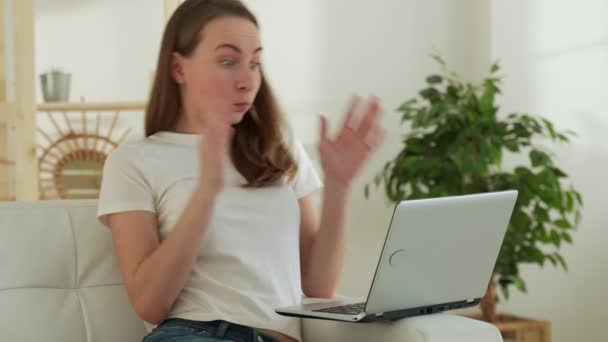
258,150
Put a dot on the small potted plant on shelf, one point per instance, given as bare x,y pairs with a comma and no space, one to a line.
455,146
55,85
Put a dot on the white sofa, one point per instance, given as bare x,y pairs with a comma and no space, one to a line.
59,282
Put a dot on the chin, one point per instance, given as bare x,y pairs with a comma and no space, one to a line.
236,118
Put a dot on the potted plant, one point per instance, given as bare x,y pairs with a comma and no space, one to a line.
55,85
455,146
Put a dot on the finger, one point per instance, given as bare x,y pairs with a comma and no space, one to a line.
375,138
370,118
323,121
349,119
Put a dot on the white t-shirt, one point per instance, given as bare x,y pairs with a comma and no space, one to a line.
249,260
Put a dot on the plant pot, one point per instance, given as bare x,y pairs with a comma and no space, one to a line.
520,329
55,86
512,328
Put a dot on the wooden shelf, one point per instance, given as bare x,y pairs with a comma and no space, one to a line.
90,106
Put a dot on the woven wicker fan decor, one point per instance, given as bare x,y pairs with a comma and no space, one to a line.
71,162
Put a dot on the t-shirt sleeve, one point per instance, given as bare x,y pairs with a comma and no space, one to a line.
123,188
307,179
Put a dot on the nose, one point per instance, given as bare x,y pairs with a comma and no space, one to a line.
246,79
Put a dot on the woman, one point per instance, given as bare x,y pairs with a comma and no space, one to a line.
211,214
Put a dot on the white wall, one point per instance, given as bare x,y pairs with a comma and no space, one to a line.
291,52
555,58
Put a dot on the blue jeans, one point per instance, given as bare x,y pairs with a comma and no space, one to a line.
183,330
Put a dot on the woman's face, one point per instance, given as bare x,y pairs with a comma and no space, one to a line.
223,75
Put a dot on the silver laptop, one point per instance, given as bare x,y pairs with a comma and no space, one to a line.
438,255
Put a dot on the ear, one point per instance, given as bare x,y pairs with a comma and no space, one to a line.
177,68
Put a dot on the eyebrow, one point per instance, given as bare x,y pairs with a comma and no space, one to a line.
236,48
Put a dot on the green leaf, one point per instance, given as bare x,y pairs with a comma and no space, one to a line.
406,105
577,218
550,128
569,201
566,237
556,239
486,104
561,261
520,220
519,283
559,173
505,281
452,91
512,145
547,196
539,158
434,79
579,198
439,60
414,145
562,138
409,162
430,94
562,223
552,259
541,214
505,292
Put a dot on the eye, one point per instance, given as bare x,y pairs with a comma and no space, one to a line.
228,62
255,66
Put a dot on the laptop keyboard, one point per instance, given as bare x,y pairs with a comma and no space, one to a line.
351,309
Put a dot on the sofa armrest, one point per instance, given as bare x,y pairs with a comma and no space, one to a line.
441,327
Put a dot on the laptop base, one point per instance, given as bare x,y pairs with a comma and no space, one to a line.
396,315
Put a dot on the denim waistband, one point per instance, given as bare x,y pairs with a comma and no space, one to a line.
223,329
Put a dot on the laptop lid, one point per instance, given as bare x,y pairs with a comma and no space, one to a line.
440,250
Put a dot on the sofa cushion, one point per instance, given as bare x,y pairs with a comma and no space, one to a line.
59,278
